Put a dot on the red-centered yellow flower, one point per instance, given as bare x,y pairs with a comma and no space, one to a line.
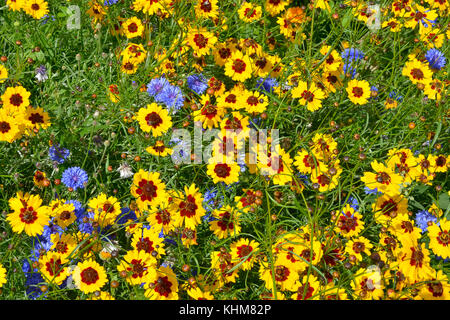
36,118
440,238
349,222
35,8
274,7
333,61
323,146
222,171
87,246
417,72
426,171
15,5
402,227
159,149
249,12
420,15
307,288
441,162
148,240
437,287
405,164
393,24
137,266
386,208
331,80
148,189
250,47
113,93
234,122
356,246
288,248
284,276
89,276
434,89
161,218
414,260
64,215
243,252
227,222
106,209
3,74
385,180
207,9
134,53
133,28
442,5
28,215
217,86
39,179
326,180
254,101
16,98
201,41
307,163
96,11
188,236
277,165
162,284
309,252
238,67
128,67
188,208
221,263
367,284
53,267
222,52
309,95
358,91
210,113
154,119
150,7
263,65
2,275
433,37
63,243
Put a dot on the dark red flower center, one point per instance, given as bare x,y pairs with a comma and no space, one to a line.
89,275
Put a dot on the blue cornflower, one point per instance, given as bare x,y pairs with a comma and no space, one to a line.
197,83
353,203
435,58
110,2
58,154
125,215
396,96
181,150
352,54
348,69
172,97
40,246
371,191
74,178
422,219
79,210
33,280
155,87
266,84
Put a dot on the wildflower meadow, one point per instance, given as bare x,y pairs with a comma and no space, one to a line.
224,150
